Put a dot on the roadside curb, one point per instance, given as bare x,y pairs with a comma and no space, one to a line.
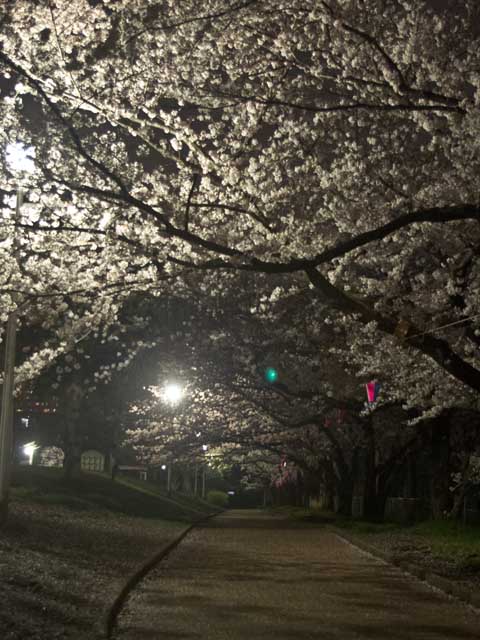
110,618
450,587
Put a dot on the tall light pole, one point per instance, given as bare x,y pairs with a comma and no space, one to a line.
204,482
20,162
171,394
204,473
6,417
195,482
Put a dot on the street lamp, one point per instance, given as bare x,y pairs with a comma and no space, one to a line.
172,393
29,450
20,161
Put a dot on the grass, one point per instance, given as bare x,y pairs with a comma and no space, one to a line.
447,539
444,536
93,491
451,539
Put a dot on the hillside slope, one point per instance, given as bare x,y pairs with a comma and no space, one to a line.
68,547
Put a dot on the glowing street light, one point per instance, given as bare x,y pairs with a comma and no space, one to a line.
29,450
172,393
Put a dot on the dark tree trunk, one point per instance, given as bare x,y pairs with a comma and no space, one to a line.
71,413
373,503
345,496
440,467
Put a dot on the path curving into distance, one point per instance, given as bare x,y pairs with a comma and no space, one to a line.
246,575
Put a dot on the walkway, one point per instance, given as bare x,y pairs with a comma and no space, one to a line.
246,576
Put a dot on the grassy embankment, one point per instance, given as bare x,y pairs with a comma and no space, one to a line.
68,547
445,540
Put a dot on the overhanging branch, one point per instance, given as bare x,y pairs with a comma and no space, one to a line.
435,348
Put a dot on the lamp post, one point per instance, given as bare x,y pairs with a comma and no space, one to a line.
6,417
29,450
172,393
19,159
169,478
204,472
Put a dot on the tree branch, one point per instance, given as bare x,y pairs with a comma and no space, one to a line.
435,348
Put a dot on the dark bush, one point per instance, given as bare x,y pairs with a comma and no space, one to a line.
218,498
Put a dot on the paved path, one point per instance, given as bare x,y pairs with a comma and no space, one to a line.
247,576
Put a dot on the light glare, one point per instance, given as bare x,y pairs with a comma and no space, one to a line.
20,159
29,449
172,393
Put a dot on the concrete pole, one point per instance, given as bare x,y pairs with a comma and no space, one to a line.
169,478
6,416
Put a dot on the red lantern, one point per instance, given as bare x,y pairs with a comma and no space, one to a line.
373,388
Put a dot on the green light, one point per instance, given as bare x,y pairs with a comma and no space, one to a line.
271,375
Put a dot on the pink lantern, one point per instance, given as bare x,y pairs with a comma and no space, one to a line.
373,388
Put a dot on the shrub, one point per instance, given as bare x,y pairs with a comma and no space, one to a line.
218,498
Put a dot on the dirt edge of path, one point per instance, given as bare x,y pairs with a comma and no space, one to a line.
111,616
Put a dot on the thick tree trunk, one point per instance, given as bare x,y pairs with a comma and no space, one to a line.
345,497
458,504
71,413
373,503
329,487
440,467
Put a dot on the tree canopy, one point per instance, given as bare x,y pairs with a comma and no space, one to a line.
324,154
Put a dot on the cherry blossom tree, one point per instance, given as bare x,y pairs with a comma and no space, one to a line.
323,154
313,140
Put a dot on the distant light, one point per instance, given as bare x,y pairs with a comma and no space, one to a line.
29,449
164,466
204,447
271,375
231,493
172,393
20,159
